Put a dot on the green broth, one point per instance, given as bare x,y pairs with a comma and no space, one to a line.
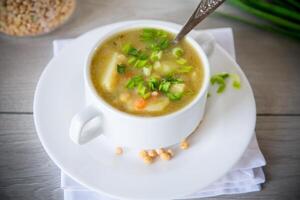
137,97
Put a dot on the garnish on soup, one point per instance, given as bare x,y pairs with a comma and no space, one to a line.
139,72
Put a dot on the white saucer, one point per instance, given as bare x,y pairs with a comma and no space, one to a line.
217,145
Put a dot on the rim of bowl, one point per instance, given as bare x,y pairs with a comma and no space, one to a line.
117,30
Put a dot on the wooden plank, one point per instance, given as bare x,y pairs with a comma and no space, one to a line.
270,61
279,141
27,173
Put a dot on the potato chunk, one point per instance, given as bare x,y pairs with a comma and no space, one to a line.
165,67
177,88
158,104
110,77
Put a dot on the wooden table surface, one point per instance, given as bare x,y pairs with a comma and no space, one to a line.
270,61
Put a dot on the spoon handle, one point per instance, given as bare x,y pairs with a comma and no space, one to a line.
204,8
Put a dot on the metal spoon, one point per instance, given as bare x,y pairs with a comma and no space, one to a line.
204,8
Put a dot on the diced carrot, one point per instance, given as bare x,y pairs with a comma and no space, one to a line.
140,104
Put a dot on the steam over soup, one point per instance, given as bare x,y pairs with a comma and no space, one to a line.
140,72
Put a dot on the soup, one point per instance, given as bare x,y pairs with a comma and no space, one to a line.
141,73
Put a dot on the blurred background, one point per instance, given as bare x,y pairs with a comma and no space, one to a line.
259,52
266,35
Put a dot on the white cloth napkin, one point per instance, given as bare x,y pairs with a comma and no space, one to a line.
246,176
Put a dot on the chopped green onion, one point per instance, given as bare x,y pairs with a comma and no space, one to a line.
155,56
181,61
173,79
126,48
153,83
221,88
166,83
175,96
151,34
208,95
131,60
185,69
133,52
134,81
163,44
217,79
140,63
220,80
177,52
164,86
121,68
147,95
236,81
142,56
224,75
143,91
155,39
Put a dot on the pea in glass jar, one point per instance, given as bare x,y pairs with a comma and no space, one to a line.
34,17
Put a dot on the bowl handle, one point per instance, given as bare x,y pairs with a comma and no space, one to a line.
86,125
206,40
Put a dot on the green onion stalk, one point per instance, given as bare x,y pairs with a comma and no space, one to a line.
279,16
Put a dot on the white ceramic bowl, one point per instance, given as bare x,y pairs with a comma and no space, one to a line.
216,146
137,131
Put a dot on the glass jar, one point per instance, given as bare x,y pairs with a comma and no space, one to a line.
34,17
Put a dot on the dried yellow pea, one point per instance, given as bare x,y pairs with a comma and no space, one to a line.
159,151
170,152
184,145
143,153
148,160
152,153
119,151
165,156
